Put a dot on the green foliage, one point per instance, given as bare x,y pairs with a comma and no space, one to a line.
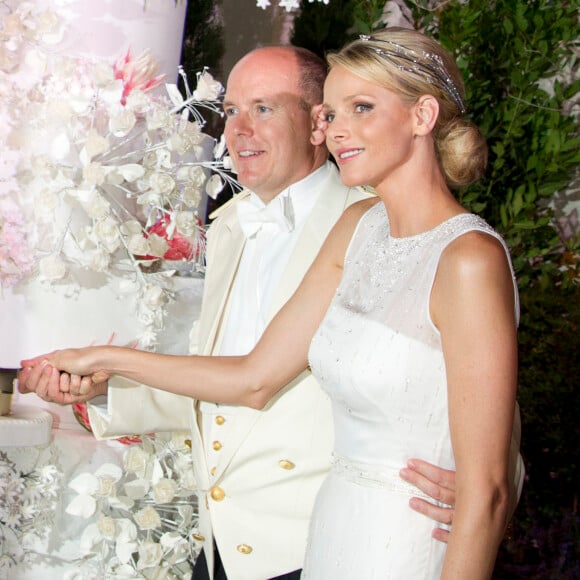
512,96
367,15
313,29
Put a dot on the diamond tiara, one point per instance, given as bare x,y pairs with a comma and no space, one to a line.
428,65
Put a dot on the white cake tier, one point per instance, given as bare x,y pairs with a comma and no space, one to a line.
25,427
39,318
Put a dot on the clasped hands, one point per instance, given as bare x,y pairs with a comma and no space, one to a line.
64,376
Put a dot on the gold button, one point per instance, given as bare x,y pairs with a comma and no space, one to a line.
285,464
188,443
217,493
244,549
213,470
198,537
216,445
220,420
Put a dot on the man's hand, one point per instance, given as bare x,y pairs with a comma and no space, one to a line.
56,387
437,483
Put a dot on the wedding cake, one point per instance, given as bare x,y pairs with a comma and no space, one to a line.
47,50
42,313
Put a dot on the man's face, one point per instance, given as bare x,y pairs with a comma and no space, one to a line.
268,129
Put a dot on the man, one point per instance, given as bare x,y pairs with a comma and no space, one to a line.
258,471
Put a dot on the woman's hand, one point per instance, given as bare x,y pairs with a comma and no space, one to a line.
80,369
56,387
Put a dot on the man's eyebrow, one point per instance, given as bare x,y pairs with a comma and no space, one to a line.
257,101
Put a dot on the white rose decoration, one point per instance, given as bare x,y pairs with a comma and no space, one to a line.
100,260
122,122
137,101
94,204
157,246
95,145
45,203
103,74
159,119
185,222
94,174
107,487
147,518
52,268
107,232
138,245
164,491
107,527
161,183
191,196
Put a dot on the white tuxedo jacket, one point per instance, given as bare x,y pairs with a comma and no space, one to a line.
258,499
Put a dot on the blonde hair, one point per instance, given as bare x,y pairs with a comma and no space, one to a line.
411,65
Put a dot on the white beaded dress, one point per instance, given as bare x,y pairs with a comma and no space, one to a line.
379,357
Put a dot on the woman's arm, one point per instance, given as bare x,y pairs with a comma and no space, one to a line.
280,355
472,304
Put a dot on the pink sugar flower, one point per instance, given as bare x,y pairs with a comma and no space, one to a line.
140,73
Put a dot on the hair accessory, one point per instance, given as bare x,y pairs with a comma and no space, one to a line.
426,64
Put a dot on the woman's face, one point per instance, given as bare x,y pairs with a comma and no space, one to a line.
369,130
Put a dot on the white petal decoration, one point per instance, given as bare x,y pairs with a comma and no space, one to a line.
131,171
127,530
214,185
60,146
124,551
110,470
83,506
137,489
174,94
89,538
220,148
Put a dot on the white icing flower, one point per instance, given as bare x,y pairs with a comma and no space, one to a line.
99,260
93,174
138,245
164,491
52,268
162,183
122,122
107,231
147,518
107,527
136,460
208,89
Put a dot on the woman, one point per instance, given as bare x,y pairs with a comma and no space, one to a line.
407,318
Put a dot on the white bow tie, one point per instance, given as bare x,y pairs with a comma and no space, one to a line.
279,212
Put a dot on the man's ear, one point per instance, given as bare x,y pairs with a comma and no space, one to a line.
426,113
319,124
